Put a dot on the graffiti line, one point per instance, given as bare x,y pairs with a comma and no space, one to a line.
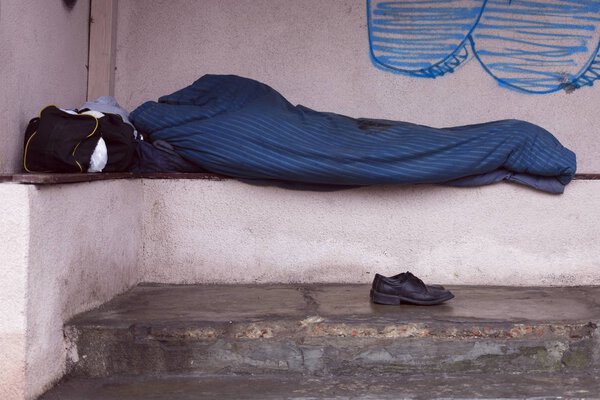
532,46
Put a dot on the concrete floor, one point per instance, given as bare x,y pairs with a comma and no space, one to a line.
331,342
147,304
279,387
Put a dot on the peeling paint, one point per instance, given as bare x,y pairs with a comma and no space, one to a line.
255,332
316,326
315,319
189,333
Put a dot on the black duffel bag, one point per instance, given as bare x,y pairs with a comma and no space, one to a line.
59,141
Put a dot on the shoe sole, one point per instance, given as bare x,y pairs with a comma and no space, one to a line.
388,299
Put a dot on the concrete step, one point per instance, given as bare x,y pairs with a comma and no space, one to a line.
334,330
295,386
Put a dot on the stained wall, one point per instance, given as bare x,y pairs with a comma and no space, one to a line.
14,253
317,53
43,57
85,243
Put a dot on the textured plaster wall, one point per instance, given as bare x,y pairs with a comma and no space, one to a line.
14,253
43,56
65,249
227,231
316,53
85,243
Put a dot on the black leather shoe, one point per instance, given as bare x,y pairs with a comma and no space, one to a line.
407,290
402,276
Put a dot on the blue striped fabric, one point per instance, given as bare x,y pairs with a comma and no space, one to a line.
242,128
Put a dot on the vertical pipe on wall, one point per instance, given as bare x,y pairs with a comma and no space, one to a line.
102,48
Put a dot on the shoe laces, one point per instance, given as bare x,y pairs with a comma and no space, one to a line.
411,276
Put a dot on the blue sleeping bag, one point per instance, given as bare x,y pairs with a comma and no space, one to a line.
242,128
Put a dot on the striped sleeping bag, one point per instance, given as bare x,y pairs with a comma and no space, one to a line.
242,128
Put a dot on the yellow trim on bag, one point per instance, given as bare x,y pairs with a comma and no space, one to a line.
29,140
25,153
87,137
75,149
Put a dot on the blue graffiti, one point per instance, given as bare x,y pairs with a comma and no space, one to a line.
533,46
425,38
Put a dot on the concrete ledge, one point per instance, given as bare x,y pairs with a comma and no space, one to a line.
335,330
231,232
55,178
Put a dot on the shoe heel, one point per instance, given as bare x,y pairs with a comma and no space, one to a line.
380,298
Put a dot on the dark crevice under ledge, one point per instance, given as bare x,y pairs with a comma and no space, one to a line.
55,178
